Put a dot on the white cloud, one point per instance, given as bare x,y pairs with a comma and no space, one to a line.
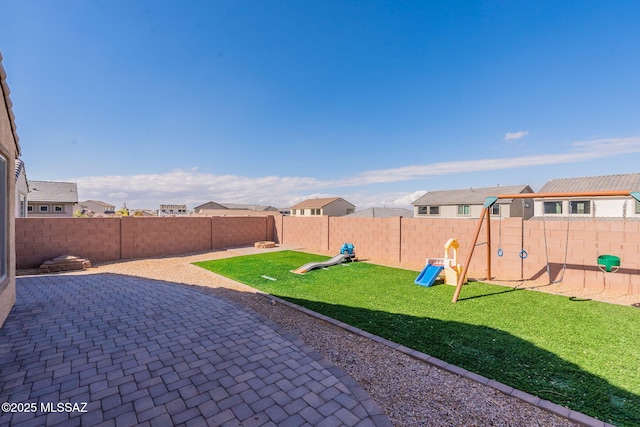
119,195
515,135
581,151
194,188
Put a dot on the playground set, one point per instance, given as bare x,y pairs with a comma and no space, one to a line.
436,266
347,254
606,263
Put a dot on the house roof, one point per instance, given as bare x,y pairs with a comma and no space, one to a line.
317,203
210,205
98,202
469,195
236,206
4,89
629,182
248,207
51,191
382,213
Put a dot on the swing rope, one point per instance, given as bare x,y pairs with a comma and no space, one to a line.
500,251
546,251
595,226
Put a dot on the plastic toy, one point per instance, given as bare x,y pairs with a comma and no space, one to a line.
435,266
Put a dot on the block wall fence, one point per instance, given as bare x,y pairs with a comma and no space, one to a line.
401,242
112,239
407,242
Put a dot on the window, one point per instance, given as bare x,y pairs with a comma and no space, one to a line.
580,207
637,207
349,211
463,210
30,208
552,208
428,210
293,211
58,208
315,211
4,210
495,209
23,200
44,208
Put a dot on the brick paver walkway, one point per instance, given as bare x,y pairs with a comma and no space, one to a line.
152,353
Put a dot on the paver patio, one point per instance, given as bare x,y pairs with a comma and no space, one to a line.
146,352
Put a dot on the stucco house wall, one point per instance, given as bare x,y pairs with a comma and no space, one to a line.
338,208
444,204
601,208
331,206
9,151
52,199
587,207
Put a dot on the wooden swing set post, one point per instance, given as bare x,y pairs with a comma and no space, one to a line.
492,199
465,268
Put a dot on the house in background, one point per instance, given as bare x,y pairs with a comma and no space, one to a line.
213,206
334,206
468,203
95,208
589,207
22,189
233,209
382,213
48,199
9,152
171,210
209,206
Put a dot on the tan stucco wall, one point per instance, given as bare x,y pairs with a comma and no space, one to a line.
35,213
337,208
9,150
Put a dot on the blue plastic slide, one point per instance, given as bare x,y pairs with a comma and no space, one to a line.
428,275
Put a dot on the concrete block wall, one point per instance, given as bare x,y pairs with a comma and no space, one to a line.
403,242
40,239
407,242
240,231
111,239
151,237
425,238
373,238
306,232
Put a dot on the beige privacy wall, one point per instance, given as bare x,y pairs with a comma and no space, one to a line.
407,242
403,242
110,239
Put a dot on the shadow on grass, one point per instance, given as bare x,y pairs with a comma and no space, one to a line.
499,356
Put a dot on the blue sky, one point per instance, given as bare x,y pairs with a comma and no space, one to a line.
272,102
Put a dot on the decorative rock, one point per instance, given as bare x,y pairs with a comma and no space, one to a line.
64,263
265,244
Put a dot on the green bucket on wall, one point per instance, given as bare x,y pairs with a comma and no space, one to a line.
609,263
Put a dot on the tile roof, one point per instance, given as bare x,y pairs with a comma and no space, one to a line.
468,195
4,88
382,213
629,182
98,202
317,203
50,191
210,205
248,207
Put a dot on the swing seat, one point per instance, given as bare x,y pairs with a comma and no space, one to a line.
609,263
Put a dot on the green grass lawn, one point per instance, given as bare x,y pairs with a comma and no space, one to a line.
577,353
